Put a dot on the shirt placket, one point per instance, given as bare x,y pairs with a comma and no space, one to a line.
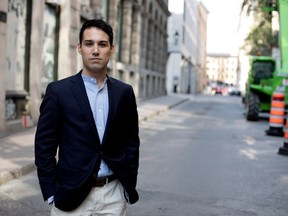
100,123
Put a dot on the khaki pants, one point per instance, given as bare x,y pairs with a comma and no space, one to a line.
108,200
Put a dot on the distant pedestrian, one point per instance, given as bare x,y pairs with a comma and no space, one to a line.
90,119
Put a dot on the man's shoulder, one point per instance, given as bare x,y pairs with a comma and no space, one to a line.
65,80
119,82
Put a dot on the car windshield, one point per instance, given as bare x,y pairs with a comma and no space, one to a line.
263,70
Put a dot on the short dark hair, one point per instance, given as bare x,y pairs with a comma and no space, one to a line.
97,23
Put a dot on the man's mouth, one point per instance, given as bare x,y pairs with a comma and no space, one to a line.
95,59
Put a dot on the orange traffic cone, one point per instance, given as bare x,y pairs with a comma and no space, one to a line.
277,111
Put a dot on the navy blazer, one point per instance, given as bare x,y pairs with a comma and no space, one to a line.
66,124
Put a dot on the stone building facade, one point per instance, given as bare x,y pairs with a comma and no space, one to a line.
38,43
186,70
222,67
202,75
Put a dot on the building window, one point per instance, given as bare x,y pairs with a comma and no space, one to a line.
17,31
132,78
121,75
156,15
50,45
105,9
150,8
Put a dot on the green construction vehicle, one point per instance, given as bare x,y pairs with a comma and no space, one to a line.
264,77
262,81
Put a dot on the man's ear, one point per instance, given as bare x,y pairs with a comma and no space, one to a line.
79,48
112,49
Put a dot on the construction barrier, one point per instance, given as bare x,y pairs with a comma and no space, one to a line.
277,112
284,150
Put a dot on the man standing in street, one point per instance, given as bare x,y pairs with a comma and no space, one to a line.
91,121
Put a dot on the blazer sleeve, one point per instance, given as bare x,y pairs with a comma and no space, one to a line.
46,143
133,144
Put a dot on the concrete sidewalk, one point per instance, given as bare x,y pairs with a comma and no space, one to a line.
17,149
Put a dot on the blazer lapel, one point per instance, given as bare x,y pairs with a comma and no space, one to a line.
113,98
78,89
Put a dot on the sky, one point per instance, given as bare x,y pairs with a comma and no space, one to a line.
222,24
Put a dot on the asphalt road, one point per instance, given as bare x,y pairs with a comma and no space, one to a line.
202,158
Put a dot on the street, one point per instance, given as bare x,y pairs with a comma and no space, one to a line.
201,158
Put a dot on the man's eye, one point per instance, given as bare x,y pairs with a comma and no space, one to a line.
89,44
102,45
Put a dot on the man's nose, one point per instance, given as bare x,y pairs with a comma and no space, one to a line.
95,49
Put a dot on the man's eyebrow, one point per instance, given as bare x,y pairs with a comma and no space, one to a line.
88,41
101,41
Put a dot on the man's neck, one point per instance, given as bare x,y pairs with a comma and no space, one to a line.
100,77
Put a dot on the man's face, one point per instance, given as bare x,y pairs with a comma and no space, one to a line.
95,50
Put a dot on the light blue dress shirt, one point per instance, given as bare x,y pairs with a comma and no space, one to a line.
99,103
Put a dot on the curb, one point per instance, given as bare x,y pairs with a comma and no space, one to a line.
160,110
7,176
157,109
178,103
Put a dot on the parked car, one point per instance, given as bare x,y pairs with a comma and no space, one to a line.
216,90
233,90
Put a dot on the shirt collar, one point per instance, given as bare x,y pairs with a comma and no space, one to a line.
92,80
